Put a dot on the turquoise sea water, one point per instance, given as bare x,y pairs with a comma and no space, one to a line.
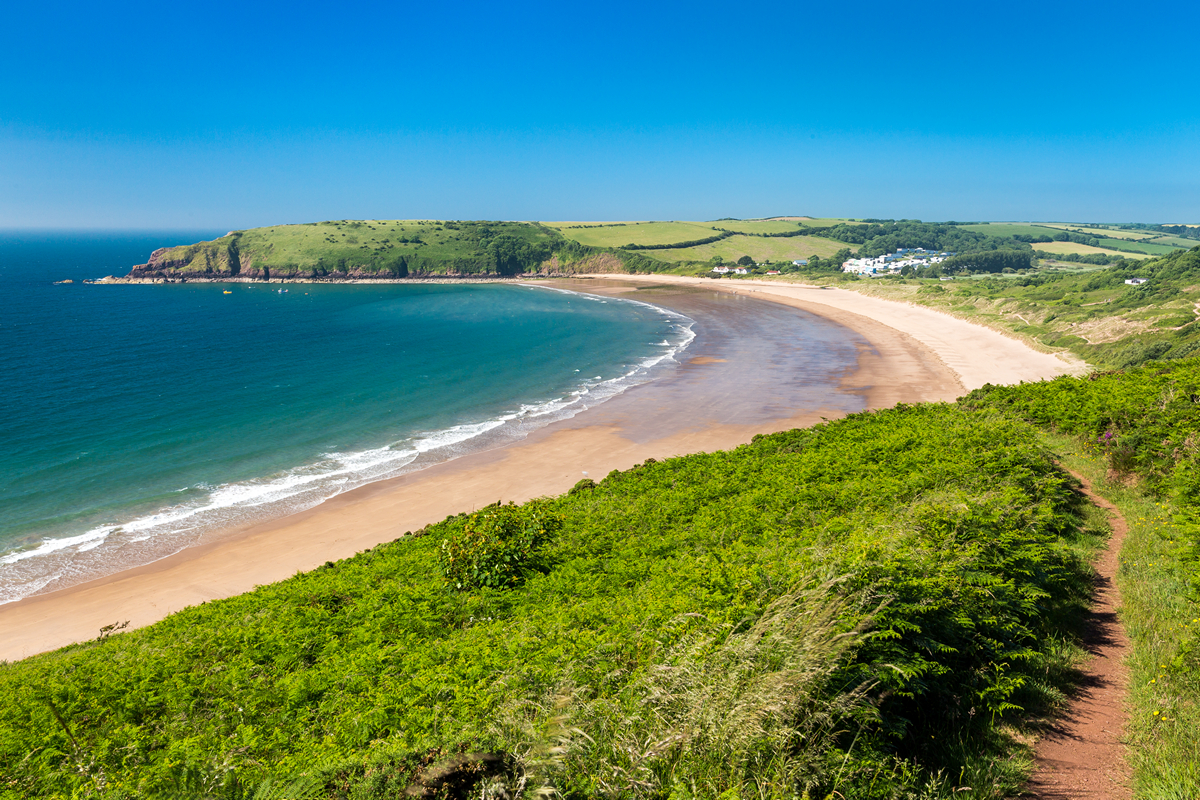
139,417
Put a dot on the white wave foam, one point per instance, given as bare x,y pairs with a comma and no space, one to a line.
170,529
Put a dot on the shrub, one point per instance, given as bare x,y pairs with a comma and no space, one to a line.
496,547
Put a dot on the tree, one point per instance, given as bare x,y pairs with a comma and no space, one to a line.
745,261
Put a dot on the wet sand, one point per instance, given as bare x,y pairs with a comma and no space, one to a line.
975,354
755,367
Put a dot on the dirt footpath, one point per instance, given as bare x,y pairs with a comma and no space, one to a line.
1083,756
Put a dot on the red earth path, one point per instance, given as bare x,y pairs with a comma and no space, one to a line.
1082,755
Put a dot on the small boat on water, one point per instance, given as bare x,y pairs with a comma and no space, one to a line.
227,292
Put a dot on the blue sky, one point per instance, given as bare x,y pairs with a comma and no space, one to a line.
220,114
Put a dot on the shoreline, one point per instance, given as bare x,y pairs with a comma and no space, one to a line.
964,347
891,365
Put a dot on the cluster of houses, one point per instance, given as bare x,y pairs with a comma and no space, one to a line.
892,263
880,265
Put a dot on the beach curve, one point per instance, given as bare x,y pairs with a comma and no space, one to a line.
924,363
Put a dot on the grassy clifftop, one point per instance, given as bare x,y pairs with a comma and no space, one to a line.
424,248
361,249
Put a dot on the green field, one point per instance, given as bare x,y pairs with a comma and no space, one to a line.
1176,241
1009,229
1145,247
756,225
759,248
1099,232
643,233
826,222
658,233
1082,249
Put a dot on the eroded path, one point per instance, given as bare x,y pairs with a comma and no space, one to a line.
1082,755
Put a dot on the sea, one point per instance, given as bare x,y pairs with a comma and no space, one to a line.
139,418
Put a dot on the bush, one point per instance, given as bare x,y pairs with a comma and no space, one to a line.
496,547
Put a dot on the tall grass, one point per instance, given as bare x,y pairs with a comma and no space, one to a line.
749,711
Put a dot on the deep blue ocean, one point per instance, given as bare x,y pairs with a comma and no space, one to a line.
138,417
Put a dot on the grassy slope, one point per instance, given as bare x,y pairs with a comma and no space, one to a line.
704,624
386,247
758,225
1137,436
1125,245
398,248
759,248
1092,313
1084,249
652,233
1110,233
1010,228
1111,239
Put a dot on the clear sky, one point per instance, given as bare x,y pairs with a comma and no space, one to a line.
235,115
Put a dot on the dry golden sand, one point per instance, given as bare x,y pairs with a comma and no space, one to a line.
912,354
977,355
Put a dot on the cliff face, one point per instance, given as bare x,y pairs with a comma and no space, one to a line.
216,259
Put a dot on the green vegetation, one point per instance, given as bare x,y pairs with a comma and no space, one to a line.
758,226
1136,247
761,249
1136,434
1009,229
386,249
1104,233
694,245
1074,248
1093,314
872,607
639,233
364,248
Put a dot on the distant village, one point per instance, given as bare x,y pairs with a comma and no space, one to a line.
889,264
893,263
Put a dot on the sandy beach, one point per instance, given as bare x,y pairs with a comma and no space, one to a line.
744,374
975,354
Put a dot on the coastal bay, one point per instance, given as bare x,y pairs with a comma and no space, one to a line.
736,380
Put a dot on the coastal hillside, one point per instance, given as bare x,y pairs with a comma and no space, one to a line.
872,607
359,249
885,606
1113,316
399,249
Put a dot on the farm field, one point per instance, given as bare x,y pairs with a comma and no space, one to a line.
757,247
826,222
619,235
757,225
1145,247
1177,241
588,224
1064,248
1008,229
1102,232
